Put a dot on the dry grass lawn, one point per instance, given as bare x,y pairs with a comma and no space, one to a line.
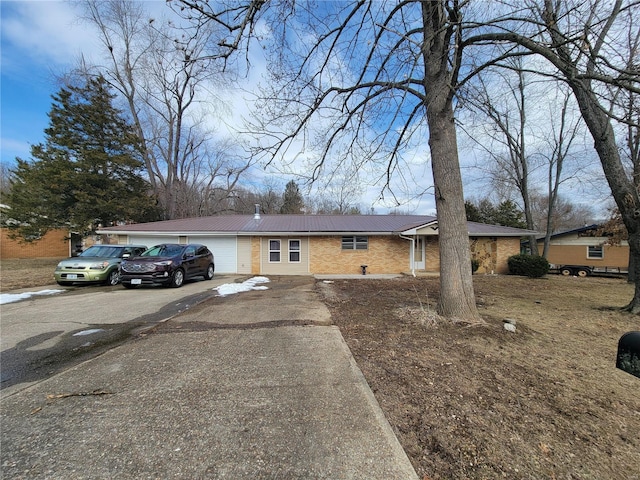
545,402
27,272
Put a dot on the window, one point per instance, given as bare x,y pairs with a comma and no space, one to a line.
595,251
274,251
294,251
355,243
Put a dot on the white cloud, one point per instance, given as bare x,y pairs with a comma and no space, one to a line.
42,35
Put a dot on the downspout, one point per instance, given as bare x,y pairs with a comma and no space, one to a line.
413,263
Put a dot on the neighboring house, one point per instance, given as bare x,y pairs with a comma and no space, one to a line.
54,244
581,246
323,244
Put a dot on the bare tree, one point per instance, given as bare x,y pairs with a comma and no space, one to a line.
626,105
406,62
530,137
559,152
338,193
163,87
509,124
581,41
397,93
565,215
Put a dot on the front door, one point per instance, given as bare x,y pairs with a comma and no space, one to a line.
418,253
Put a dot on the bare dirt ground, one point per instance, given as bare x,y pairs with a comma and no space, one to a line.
478,402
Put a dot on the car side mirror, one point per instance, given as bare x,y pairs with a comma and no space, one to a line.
628,358
126,255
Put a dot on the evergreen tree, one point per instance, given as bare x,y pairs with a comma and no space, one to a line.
86,174
292,201
506,213
509,215
473,212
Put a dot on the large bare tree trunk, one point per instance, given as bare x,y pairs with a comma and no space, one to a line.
457,298
623,189
598,122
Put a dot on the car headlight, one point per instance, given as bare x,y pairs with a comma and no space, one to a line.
99,266
163,263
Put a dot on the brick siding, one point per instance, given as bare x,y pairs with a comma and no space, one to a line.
384,255
54,244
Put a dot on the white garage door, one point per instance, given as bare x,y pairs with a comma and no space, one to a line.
224,248
224,252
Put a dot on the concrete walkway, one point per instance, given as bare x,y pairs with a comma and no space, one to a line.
256,385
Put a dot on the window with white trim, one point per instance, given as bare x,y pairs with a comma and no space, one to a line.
294,251
274,251
355,243
595,251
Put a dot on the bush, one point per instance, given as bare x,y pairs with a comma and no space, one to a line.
531,266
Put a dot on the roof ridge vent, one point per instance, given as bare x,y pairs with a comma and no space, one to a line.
256,216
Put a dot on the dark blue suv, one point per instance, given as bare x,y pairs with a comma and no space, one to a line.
168,264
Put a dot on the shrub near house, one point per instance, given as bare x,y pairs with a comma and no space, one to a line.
531,266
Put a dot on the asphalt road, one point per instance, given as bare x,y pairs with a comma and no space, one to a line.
47,334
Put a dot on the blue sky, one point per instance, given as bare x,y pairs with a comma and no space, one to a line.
43,39
39,41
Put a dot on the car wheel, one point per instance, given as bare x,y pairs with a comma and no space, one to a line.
64,284
582,272
178,279
566,272
210,270
113,278
128,285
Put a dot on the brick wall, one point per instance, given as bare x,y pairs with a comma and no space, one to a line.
384,255
506,247
53,245
390,254
432,254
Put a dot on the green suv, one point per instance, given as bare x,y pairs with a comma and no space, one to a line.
97,264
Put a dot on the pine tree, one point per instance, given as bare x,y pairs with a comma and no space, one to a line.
506,213
86,174
509,215
292,201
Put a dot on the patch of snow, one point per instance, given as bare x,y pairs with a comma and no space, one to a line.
16,297
246,286
91,331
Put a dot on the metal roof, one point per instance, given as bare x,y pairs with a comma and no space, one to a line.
309,224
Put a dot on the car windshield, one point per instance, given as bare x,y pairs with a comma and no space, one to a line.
102,251
163,251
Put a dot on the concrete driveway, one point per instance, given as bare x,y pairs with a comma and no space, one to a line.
252,386
45,334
